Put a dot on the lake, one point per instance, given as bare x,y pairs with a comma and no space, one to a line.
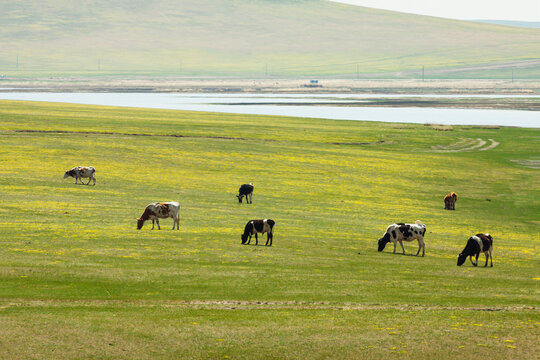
228,103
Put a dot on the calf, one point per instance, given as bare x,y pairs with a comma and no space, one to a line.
79,172
475,245
254,227
450,201
160,210
247,191
404,232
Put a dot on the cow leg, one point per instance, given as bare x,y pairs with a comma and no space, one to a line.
152,224
491,256
256,238
271,238
251,198
402,248
470,258
249,240
89,179
477,259
421,245
487,258
157,222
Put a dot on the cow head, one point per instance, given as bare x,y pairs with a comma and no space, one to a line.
244,238
67,173
140,223
461,259
383,241
240,198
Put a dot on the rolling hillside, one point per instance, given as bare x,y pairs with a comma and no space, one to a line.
249,38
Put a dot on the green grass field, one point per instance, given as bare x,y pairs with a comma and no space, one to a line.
77,280
252,38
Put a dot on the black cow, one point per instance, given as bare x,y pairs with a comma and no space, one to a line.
247,191
254,227
475,245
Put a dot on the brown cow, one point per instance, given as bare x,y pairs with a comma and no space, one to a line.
160,210
450,201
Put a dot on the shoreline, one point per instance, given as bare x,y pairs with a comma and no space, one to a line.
269,85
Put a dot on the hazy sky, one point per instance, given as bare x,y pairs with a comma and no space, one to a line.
523,10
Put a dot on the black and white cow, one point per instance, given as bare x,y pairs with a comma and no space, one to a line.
80,172
254,227
247,191
475,245
160,210
404,232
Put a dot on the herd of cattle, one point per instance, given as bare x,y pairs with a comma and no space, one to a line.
395,233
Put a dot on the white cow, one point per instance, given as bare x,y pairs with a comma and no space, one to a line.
80,172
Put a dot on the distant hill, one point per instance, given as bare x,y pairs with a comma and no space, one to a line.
252,38
525,24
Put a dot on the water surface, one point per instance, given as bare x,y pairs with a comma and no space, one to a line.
228,103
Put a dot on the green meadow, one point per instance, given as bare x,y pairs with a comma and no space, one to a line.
253,39
77,280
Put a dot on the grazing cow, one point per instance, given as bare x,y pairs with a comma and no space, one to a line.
404,232
80,172
475,245
247,191
450,201
160,210
254,227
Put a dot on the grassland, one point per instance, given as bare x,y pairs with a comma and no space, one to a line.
260,38
78,281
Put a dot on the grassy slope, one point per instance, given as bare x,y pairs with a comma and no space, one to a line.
77,279
209,37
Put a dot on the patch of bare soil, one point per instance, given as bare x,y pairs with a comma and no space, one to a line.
440,127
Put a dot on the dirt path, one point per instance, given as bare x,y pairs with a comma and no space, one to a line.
466,144
249,304
491,146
